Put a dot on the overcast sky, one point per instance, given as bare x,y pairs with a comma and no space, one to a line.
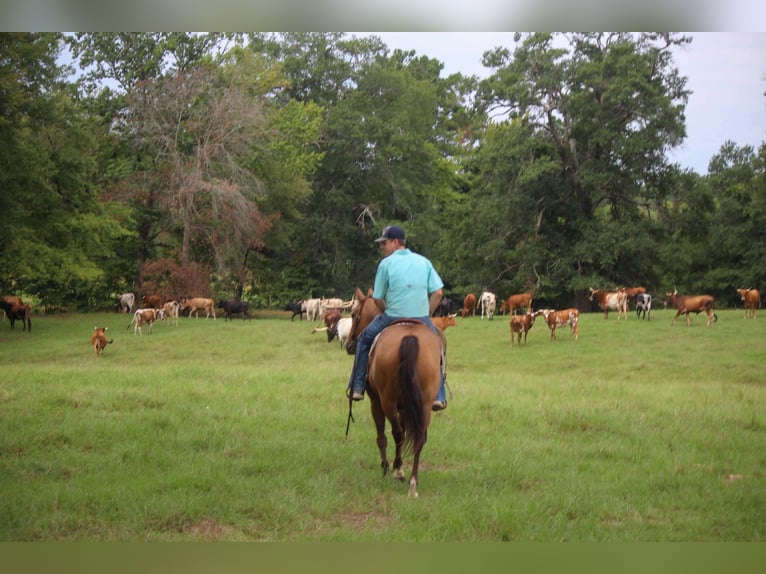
726,72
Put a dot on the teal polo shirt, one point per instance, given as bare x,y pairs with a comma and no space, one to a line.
405,280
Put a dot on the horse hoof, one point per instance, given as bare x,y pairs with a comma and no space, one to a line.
399,474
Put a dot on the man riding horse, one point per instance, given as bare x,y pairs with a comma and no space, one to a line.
411,289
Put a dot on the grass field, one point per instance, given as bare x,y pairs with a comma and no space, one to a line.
235,431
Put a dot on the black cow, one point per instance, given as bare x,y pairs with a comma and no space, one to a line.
297,309
444,308
235,308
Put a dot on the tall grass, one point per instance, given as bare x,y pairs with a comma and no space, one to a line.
217,430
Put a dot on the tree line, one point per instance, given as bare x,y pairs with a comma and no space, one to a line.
261,166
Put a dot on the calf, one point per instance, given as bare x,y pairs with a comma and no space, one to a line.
443,322
15,309
644,305
195,304
98,340
521,323
752,300
235,308
556,319
145,317
686,304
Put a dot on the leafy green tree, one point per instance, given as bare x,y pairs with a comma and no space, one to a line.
606,108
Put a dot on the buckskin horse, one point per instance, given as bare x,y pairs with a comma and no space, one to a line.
403,380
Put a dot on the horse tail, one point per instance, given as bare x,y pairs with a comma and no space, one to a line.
413,419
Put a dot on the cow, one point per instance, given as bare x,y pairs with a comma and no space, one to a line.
632,292
331,318
443,322
686,304
752,300
15,309
125,302
644,305
170,311
151,302
313,308
611,301
488,302
343,328
443,308
469,306
297,309
235,308
98,341
143,317
521,323
516,302
556,319
195,304
333,303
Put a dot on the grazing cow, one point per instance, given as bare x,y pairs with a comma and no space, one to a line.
752,300
611,301
313,309
98,340
125,302
145,317
195,304
516,302
297,309
469,306
556,319
170,311
151,302
15,309
443,322
522,323
235,308
644,305
686,304
488,302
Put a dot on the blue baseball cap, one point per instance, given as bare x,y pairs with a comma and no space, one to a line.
391,232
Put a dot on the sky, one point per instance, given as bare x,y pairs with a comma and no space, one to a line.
726,73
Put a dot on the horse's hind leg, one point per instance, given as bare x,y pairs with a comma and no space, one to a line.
398,434
380,425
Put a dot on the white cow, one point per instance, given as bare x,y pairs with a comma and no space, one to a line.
344,330
488,302
313,308
126,301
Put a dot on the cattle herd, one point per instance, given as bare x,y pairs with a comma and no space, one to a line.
330,311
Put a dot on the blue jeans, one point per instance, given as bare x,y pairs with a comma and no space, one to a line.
358,379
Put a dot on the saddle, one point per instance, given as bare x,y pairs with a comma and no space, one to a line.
406,321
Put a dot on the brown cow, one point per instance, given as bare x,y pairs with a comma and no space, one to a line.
517,301
151,302
632,292
556,319
443,322
521,323
469,306
611,301
331,318
195,304
692,304
15,309
752,300
98,340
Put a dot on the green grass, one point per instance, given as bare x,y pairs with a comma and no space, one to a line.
220,430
